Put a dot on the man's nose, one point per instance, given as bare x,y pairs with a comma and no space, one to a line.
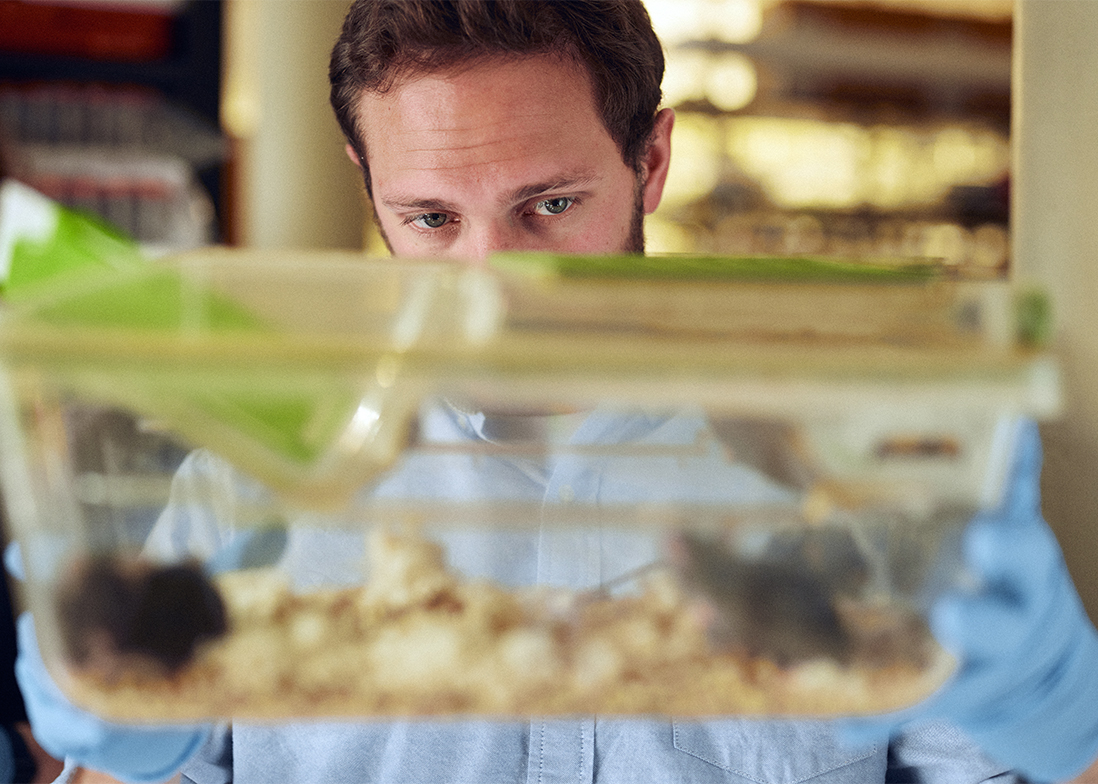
489,238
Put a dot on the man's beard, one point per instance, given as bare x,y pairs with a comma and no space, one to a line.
634,241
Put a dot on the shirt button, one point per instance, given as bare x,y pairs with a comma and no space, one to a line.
566,494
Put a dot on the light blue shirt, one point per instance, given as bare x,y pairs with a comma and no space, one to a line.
689,469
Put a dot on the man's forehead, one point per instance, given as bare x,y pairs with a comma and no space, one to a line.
490,114
485,85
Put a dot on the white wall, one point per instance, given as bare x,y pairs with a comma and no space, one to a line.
1055,233
294,186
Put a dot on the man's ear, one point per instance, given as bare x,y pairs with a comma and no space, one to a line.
350,150
657,160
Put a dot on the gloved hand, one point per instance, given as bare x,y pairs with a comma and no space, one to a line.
1026,690
130,753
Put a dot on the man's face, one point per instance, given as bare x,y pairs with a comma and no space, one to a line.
504,155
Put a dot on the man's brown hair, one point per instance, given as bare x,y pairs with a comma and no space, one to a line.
383,40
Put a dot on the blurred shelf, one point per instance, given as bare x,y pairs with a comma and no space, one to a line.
188,70
128,88
859,128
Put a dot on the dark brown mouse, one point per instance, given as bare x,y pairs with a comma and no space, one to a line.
116,613
764,607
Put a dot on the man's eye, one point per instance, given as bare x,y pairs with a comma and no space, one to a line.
431,220
553,206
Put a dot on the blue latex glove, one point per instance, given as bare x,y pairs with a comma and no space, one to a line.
1027,687
130,753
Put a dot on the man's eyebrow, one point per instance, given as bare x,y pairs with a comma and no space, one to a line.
568,182
399,203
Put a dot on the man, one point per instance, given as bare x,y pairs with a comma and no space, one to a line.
469,147
517,124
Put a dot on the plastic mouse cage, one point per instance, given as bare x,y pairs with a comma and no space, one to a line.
267,485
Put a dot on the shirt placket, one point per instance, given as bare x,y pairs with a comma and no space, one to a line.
563,750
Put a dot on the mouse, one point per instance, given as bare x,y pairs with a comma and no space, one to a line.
764,607
116,613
